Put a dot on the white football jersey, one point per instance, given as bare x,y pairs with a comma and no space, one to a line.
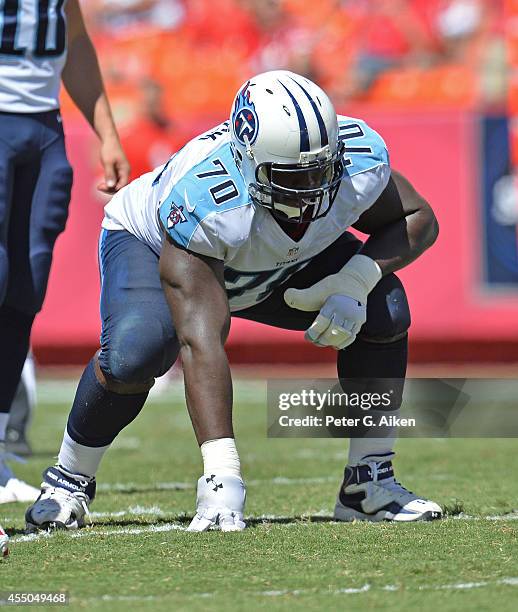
199,197
33,42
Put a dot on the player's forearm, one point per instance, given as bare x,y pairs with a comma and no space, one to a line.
195,292
202,328
208,390
83,81
398,244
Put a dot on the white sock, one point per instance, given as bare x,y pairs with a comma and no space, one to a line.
361,447
5,472
79,459
4,419
220,457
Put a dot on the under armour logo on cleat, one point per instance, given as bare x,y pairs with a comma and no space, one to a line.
216,485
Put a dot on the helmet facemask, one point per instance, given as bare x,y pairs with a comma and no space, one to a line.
289,189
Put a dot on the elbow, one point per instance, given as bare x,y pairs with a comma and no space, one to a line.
434,228
430,226
433,231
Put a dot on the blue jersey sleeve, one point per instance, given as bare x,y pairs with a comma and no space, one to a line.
194,213
364,147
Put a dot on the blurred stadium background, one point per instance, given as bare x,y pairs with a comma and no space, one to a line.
437,78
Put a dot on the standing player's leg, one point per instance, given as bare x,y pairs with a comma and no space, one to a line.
20,173
138,343
41,184
7,163
377,358
43,188
376,362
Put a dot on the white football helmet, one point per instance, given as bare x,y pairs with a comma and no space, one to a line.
284,134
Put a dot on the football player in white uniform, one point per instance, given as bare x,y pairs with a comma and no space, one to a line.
250,220
41,43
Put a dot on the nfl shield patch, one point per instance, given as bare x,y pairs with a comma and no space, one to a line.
175,216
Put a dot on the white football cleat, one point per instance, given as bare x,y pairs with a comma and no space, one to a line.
369,492
12,489
4,543
220,503
63,501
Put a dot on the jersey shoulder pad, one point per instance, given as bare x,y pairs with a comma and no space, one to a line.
208,209
364,147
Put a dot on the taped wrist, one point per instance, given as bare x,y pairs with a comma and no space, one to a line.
220,457
358,277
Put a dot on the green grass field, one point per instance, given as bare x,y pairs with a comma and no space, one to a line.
137,554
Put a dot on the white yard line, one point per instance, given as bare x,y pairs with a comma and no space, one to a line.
135,511
366,588
459,586
92,531
510,516
325,513
98,531
131,511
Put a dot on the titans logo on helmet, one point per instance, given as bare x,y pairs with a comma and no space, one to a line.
244,117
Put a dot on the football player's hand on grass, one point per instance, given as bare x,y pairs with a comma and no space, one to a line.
220,503
115,165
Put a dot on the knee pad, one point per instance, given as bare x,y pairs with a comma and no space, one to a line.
388,313
135,351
